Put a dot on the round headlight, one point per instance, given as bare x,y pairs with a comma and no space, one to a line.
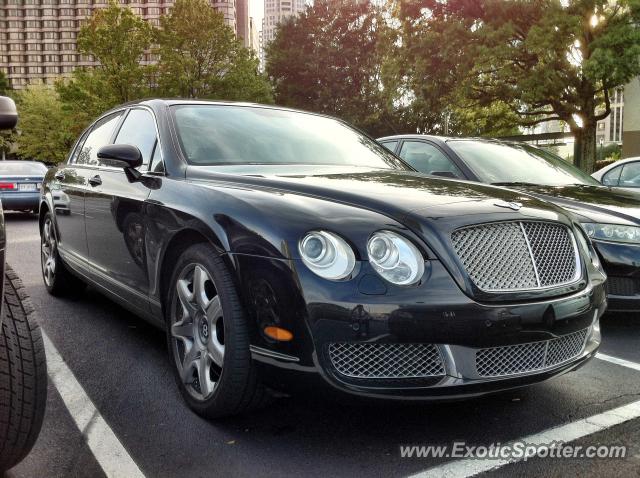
327,255
395,258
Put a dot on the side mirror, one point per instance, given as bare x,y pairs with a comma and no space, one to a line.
8,113
120,156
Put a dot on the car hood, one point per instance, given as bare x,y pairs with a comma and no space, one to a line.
395,193
594,203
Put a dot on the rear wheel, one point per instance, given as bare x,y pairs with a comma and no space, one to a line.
23,374
208,337
57,279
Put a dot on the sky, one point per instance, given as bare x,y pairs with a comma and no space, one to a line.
256,10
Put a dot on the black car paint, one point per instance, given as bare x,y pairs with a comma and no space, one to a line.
254,220
588,203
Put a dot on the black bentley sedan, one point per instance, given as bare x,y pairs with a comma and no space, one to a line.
277,247
610,216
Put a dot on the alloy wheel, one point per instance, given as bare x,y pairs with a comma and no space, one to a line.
49,248
197,331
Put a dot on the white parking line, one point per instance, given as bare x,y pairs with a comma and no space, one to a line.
563,433
618,361
105,446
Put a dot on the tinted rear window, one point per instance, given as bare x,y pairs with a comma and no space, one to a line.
22,169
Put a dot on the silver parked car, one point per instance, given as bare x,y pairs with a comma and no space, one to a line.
621,174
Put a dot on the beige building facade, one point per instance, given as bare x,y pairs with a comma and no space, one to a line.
38,37
631,124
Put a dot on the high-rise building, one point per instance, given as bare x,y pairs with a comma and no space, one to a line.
631,125
38,37
242,22
609,130
274,12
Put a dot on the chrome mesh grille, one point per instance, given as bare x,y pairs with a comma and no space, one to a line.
553,251
531,357
511,256
386,361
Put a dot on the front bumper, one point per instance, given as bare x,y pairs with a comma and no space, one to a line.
20,201
621,262
435,313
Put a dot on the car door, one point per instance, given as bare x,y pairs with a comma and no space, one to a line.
70,184
429,159
115,215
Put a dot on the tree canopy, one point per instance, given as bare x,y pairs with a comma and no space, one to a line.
44,131
329,60
199,56
544,59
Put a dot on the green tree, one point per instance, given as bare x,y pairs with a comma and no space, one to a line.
6,137
43,129
329,60
5,86
199,56
118,39
545,59
86,95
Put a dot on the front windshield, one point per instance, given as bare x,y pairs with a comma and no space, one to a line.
517,163
214,135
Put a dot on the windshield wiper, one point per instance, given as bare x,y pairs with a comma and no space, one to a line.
514,183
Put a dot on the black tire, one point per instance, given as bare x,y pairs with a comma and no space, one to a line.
61,282
238,389
23,374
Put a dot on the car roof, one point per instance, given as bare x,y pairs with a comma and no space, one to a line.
446,139
157,103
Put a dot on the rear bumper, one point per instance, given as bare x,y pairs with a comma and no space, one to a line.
20,200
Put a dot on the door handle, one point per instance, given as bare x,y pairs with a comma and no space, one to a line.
59,176
96,180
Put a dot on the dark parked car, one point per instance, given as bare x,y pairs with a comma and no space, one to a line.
20,183
611,217
23,366
280,247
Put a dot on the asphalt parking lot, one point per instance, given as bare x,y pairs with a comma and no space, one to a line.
114,410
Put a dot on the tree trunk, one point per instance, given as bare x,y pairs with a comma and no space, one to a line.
584,148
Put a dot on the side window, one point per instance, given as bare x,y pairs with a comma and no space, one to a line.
612,177
630,177
139,129
99,136
76,151
390,145
157,166
428,159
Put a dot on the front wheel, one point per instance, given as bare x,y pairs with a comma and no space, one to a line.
23,374
208,337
